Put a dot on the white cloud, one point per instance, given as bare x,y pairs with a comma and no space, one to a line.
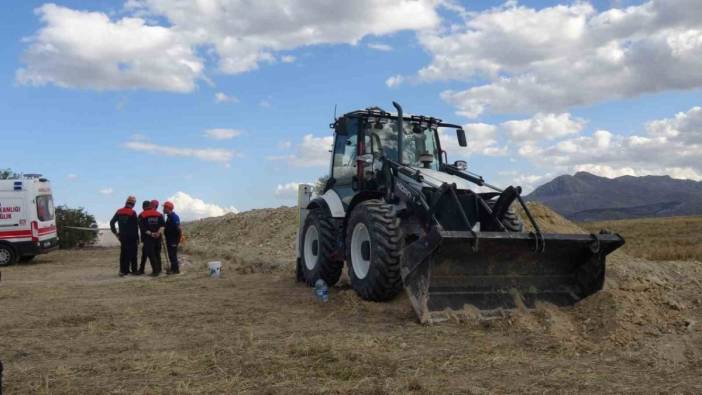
311,152
221,97
86,49
543,126
287,59
264,103
287,191
221,133
670,146
244,34
72,176
89,50
190,208
553,58
380,47
106,191
481,137
206,154
529,182
394,81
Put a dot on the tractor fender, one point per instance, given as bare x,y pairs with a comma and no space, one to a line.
331,201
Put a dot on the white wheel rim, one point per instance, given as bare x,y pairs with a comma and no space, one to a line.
4,256
360,265
311,237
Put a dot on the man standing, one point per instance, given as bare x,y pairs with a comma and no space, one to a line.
128,236
152,222
173,234
145,205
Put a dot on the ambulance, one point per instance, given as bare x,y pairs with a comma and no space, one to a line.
27,224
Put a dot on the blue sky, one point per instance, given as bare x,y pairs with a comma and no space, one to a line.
102,135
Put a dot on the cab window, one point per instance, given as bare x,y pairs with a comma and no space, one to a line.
45,208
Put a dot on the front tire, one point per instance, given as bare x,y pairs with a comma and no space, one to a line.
317,250
373,250
7,255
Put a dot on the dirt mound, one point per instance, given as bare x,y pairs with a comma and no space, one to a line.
647,307
256,241
548,220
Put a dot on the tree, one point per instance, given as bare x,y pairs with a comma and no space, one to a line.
8,174
71,238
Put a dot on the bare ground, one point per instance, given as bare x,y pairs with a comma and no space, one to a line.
69,325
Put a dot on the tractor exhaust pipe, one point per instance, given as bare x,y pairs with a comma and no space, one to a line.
400,131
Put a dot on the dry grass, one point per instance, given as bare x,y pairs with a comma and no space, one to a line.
658,239
69,325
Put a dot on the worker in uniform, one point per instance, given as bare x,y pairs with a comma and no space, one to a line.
145,205
173,235
153,224
128,235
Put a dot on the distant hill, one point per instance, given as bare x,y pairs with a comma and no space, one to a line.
587,197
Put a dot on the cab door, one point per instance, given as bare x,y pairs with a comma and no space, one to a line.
45,226
344,164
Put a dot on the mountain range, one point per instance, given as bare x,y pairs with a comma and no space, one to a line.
587,197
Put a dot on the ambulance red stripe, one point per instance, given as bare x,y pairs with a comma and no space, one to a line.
15,233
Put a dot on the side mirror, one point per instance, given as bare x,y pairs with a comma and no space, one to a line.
460,165
461,134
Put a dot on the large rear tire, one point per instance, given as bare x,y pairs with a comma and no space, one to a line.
317,249
373,251
511,220
7,255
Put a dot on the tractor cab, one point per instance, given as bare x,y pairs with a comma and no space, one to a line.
364,138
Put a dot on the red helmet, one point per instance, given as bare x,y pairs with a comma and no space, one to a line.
168,206
154,204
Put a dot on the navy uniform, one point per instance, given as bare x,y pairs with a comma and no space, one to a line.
128,236
173,235
153,223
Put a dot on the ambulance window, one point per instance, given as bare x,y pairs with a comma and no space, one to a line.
45,208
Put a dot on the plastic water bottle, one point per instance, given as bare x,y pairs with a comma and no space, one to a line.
321,290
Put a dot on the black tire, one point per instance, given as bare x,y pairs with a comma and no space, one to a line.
511,220
380,257
7,255
27,258
326,266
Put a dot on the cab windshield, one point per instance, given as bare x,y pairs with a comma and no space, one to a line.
419,146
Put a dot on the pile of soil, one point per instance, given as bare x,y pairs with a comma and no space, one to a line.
548,220
256,241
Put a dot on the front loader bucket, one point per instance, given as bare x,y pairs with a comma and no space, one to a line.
490,272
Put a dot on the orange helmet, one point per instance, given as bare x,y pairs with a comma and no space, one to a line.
168,206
